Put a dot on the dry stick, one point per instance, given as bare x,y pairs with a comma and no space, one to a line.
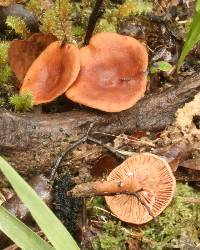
145,205
67,150
92,21
75,144
111,149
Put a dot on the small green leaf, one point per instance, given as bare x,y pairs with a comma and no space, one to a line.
192,37
23,236
45,218
160,66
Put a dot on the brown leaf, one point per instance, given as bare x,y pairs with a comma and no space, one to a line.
104,164
193,164
133,244
22,53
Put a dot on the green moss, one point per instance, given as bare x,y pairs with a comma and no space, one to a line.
2,102
4,46
22,102
5,73
112,237
36,7
93,204
178,225
18,25
78,31
135,7
56,20
108,23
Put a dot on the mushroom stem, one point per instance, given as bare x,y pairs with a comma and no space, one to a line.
92,21
128,185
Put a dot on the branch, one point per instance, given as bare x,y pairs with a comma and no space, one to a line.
33,142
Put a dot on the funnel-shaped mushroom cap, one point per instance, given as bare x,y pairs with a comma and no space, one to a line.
113,73
52,73
22,53
158,185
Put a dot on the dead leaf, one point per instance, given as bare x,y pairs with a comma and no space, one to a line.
193,164
103,165
133,244
22,53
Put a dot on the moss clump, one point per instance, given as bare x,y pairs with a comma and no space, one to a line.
5,70
56,20
112,237
18,25
135,7
179,224
94,204
4,46
5,73
22,102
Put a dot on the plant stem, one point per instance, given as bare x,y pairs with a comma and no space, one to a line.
96,13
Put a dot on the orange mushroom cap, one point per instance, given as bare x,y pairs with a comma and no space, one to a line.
154,176
52,73
22,53
113,73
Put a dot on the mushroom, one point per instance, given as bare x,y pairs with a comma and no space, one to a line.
22,53
52,73
113,73
137,190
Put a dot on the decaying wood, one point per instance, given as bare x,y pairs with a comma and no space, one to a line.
32,142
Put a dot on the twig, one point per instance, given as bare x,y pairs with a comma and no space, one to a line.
85,138
111,149
92,21
64,41
67,150
145,205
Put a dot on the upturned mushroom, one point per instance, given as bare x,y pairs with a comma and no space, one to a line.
113,73
52,73
22,53
137,190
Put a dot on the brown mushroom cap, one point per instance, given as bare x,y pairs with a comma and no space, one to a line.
22,53
158,185
52,73
113,73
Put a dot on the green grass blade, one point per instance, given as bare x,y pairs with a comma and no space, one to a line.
22,235
45,218
192,37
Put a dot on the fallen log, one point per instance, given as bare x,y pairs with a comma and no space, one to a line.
32,142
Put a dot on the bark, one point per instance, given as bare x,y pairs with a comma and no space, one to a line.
32,142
